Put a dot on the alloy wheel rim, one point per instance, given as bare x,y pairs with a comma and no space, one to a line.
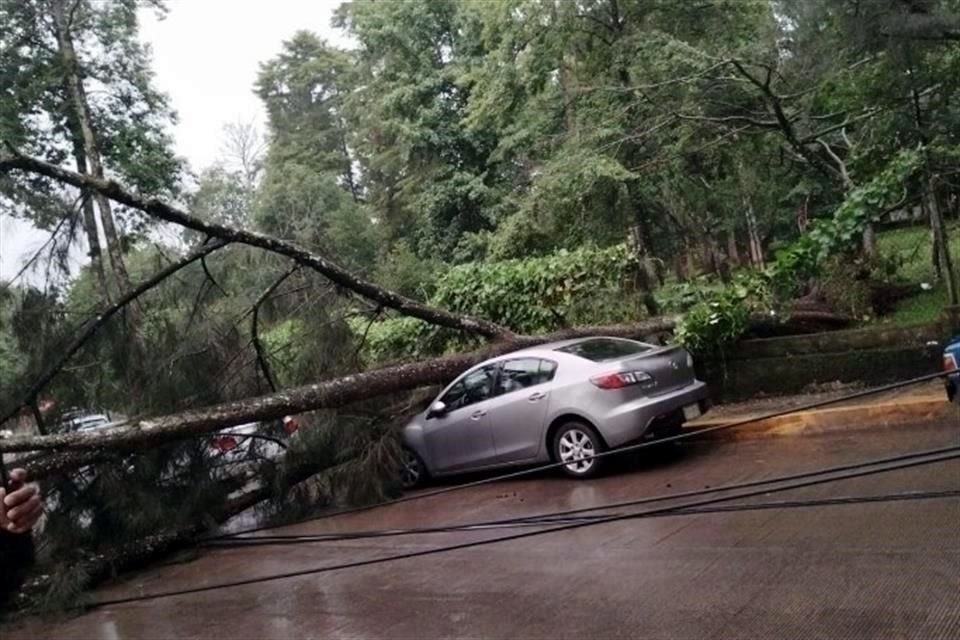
411,469
575,446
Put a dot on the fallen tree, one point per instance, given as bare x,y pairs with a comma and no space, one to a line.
330,394
71,450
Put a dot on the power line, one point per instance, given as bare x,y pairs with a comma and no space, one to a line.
955,454
556,465
520,522
619,505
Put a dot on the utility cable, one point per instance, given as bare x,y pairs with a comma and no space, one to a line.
617,505
556,465
519,523
529,534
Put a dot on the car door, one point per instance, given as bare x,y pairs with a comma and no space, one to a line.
461,437
519,408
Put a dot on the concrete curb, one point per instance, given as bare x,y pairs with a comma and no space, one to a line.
860,417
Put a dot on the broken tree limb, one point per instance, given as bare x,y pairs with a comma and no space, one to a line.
11,159
103,317
71,448
255,332
329,394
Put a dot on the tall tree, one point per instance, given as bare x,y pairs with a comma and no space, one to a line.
75,81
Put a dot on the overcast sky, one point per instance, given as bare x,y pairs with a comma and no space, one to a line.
206,55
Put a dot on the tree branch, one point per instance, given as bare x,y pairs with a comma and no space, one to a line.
786,127
157,209
254,328
103,317
841,165
764,124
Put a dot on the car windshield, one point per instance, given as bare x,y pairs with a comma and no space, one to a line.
602,349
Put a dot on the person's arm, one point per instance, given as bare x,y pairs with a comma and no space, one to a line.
20,508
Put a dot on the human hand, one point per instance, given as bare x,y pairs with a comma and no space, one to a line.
20,504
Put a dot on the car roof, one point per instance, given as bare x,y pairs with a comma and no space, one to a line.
550,349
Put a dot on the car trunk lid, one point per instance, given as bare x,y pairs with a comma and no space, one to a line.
669,367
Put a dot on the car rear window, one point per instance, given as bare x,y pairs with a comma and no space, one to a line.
601,349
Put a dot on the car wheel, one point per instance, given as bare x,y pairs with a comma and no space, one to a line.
413,473
574,444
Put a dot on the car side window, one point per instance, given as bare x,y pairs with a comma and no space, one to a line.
548,369
524,372
474,387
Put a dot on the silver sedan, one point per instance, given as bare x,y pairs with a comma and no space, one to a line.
561,402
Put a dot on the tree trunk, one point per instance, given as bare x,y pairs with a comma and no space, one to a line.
81,109
74,450
803,215
940,233
644,274
733,252
753,233
329,394
935,252
869,240
91,231
680,266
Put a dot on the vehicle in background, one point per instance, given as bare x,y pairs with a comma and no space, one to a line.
83,420
951,362
562,402
251,441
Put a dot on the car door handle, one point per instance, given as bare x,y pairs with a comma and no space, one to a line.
537,396
476,415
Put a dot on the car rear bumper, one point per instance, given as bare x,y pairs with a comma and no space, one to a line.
632,421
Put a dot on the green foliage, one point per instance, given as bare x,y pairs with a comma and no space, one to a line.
403,271
806,257
711,327
539,294
532,295
910,249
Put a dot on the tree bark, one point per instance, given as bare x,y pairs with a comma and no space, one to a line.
329,394
91,149
940,234
317,262
733,252
643,273
756,246
90,227
869,240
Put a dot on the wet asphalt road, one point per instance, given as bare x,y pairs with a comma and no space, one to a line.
881,570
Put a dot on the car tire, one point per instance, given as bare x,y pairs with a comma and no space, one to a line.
413,472
574,440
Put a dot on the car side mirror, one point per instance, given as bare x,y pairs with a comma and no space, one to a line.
437,409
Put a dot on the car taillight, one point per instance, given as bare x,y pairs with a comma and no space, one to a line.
949,362
621,379
224,443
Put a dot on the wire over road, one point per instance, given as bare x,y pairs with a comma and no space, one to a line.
878,466
556,465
